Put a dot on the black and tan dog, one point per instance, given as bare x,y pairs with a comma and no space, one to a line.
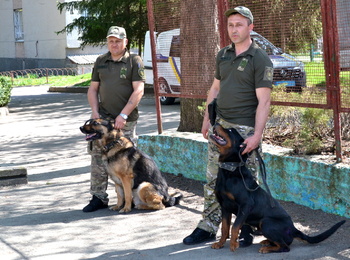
238,193
136,176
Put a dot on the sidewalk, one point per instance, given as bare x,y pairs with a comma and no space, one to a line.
44,219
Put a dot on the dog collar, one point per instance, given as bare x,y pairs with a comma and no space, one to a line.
231,166
110,145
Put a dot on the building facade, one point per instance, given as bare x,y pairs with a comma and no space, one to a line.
29,39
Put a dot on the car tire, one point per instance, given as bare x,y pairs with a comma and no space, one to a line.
164,88
167,100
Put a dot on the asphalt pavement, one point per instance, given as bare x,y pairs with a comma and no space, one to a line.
44,220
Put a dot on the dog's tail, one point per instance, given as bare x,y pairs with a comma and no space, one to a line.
319,238
173,200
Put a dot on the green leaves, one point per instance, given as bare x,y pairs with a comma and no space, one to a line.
5,92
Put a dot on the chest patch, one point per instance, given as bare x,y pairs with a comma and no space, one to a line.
242,64
123,73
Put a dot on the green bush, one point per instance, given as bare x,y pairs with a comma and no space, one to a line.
305,130
5,91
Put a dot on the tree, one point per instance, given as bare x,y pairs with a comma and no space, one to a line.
130,14
199,45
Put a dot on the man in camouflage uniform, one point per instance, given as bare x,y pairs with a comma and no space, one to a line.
117,86
242,86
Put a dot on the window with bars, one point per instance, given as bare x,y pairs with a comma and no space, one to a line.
18,23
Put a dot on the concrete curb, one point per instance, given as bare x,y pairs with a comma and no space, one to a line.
313,184
13,176
4,111
83,89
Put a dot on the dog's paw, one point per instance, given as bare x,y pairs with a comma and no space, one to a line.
115,208
234,245
125,210
264,250
217,245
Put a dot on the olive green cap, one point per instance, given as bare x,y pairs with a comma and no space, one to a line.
116,31
241,10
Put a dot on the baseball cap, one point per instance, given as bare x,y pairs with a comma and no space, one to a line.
116,31
241,10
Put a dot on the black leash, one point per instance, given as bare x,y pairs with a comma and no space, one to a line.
263,174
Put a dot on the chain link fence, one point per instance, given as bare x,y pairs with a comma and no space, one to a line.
307,41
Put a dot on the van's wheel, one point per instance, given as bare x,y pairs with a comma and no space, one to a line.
164,88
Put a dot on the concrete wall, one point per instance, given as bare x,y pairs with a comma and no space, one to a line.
313,184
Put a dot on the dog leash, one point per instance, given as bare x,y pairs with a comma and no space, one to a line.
263,174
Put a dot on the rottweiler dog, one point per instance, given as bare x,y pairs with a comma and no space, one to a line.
138,181
238,193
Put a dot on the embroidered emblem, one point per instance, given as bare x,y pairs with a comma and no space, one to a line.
123,73
242,64
141,72
268,75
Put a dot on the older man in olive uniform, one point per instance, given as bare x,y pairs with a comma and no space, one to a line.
242,85
117,86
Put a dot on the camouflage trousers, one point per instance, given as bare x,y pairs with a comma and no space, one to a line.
99,176
212,211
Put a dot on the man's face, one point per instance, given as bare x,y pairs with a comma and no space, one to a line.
238,28
116,46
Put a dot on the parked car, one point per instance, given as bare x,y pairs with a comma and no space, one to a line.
288,70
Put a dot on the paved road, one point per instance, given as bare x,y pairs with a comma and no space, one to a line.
43,220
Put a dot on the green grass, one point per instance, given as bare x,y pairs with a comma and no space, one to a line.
57,81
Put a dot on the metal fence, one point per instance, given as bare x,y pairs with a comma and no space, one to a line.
308,42
18,75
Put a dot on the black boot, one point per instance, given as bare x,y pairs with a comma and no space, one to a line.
95,204
246,236
198,236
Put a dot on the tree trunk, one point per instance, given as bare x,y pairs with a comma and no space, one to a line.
198,25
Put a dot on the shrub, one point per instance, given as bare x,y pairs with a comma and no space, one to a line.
305,130
5,91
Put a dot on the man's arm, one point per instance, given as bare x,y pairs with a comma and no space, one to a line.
213,92
92,96
133,101
262,113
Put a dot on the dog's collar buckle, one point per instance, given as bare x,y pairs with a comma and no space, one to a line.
231,166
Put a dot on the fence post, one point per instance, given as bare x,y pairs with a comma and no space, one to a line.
12,78
332,67
222,6
151,25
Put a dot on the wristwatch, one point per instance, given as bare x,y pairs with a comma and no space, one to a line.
124,116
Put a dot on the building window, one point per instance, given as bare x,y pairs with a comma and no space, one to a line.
18,22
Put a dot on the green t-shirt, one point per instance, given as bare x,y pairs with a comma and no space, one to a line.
239,77
116,79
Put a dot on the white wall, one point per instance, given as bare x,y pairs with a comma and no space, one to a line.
7,46
41,21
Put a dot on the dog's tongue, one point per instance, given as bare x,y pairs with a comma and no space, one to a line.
89,136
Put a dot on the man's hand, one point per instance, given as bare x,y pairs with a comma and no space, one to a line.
251,143
205,128
119,122
95,115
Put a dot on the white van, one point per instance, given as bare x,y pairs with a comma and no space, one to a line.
287,69
168,62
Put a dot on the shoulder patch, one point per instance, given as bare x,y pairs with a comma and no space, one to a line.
141,72
268,75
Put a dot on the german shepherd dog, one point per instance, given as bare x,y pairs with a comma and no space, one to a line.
238,193
137,178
